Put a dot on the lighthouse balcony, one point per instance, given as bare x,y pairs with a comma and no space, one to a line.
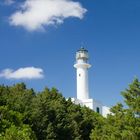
82,65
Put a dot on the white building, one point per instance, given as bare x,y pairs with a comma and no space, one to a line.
83,99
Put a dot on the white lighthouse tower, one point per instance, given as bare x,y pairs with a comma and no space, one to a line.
83,99
82,67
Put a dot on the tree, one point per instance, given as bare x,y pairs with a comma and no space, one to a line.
124,122
14,107
54,117
25,114
132,100
18,133
132,97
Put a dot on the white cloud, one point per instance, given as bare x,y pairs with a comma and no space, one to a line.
35,14
23,73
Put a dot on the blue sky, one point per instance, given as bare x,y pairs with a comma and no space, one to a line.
110,30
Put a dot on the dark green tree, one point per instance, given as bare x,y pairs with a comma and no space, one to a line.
14,107
132,97
25,114
54,117
124,122
18,133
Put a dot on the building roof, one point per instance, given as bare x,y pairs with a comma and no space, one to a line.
82,49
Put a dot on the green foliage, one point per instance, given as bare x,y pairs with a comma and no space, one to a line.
123,123
14,106
26,115
132,97
52,117
18,133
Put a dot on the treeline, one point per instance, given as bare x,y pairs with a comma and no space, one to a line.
47,115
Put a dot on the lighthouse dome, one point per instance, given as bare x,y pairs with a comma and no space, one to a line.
82,54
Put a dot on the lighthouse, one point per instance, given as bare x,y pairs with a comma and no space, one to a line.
82,67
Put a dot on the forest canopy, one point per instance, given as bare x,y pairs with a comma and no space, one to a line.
29,115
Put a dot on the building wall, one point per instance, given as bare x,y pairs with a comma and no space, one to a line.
106,110
94,105
82,83
97,106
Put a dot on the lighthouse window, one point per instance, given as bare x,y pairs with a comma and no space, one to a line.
98,110
79,75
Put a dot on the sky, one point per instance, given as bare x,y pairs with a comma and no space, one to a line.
39,39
